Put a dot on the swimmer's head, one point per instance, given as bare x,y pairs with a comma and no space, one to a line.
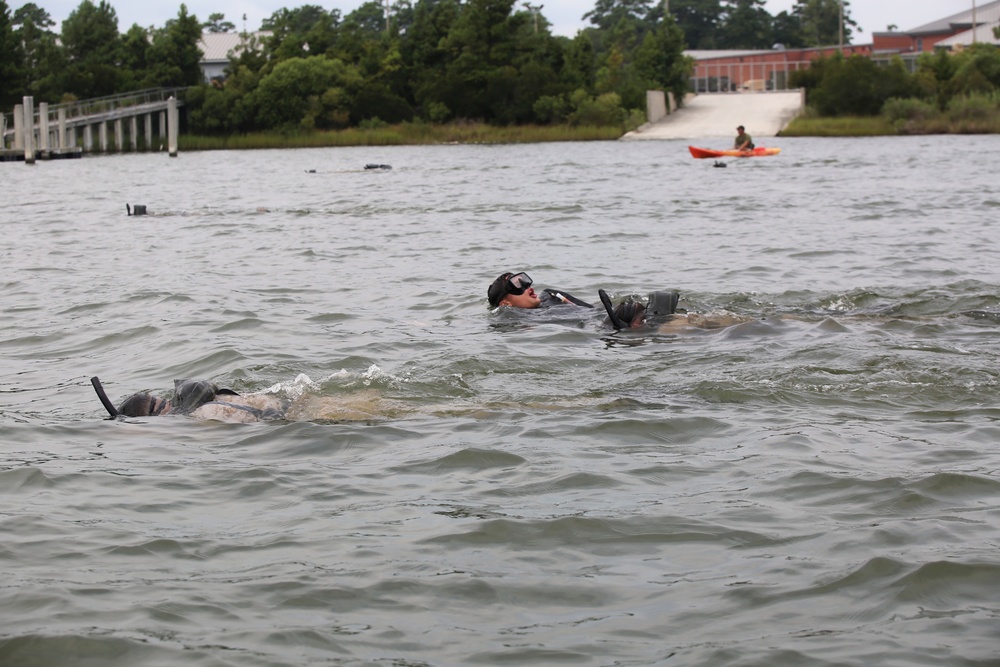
631,313
513,289
190,394
144,405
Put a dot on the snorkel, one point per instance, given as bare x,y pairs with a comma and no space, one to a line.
615,321
105,401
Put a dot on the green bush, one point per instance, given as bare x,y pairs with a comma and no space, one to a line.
899,110
974,114
606,109
551,108
975,107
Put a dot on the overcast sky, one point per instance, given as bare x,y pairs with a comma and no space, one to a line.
565,15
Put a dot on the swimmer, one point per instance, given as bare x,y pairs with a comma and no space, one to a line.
515,290
201,399
660,311
630,313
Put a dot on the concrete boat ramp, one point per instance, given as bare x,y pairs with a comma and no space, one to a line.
710,115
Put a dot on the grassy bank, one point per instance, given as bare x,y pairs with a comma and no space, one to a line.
846,126
405,134
971,114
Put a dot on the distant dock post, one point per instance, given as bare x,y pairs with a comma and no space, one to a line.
29,129
18,127
172,119
62,128
43,128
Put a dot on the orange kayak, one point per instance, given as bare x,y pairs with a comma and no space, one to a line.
760,151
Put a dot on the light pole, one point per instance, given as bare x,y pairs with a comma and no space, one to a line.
973,21
534,11
841,4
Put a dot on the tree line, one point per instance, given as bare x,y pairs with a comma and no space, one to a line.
941,84
495,61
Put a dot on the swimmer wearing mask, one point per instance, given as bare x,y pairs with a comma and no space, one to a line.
515,291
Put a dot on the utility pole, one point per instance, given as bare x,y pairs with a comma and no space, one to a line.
973,21
534,11
841,26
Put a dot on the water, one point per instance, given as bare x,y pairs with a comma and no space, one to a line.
817,486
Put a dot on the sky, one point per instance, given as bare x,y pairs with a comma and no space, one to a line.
564,15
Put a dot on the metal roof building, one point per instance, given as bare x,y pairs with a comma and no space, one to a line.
218,47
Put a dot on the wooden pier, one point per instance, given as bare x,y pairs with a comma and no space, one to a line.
66,131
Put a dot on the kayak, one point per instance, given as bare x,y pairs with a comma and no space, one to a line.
760,151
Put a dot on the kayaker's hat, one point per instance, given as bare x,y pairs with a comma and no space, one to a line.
507,283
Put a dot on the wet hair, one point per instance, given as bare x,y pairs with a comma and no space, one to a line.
498,289
142,405
740,127
632,313
192,394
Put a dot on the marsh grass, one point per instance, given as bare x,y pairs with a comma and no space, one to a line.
403,135
968,114
843,126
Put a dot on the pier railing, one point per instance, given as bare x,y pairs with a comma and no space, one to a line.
725,76
109,105
53,128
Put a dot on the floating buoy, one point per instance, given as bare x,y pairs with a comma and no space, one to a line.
140,209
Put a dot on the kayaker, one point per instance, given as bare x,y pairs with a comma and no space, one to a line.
515,290
744,142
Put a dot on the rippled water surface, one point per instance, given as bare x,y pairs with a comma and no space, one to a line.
815,486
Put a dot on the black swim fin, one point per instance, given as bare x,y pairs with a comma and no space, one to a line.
663,303
606,300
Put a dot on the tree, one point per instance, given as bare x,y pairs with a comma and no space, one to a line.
977,70
92,47
858,86
820,21
174,55
478,79
43,63
699,20
786,30
607,14
746,25
305,93
660,62
217,23
11,60
425,57
309,29
134,57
